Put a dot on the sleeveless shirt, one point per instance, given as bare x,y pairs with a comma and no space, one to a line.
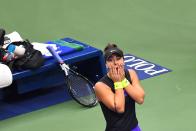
119,121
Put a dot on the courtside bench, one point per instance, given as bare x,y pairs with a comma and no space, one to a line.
89,62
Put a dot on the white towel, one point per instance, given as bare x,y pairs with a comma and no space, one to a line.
12,37
43,48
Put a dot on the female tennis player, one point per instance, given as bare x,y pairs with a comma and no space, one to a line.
118,91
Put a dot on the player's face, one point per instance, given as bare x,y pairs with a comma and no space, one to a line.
115,61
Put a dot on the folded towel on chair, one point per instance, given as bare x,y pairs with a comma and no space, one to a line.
61,46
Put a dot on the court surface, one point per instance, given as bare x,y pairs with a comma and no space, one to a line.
163,32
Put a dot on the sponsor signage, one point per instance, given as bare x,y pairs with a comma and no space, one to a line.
144,69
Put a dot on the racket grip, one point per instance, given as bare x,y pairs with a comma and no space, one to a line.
56,55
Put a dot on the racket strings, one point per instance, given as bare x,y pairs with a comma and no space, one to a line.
82,89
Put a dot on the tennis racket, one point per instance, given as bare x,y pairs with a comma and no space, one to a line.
79,87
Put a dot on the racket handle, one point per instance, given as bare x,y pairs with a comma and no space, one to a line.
56,55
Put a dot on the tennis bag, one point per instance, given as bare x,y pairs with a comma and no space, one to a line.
31,59
2,34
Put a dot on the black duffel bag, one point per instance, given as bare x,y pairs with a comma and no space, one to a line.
31,59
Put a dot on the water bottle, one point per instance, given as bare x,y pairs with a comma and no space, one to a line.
8,57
